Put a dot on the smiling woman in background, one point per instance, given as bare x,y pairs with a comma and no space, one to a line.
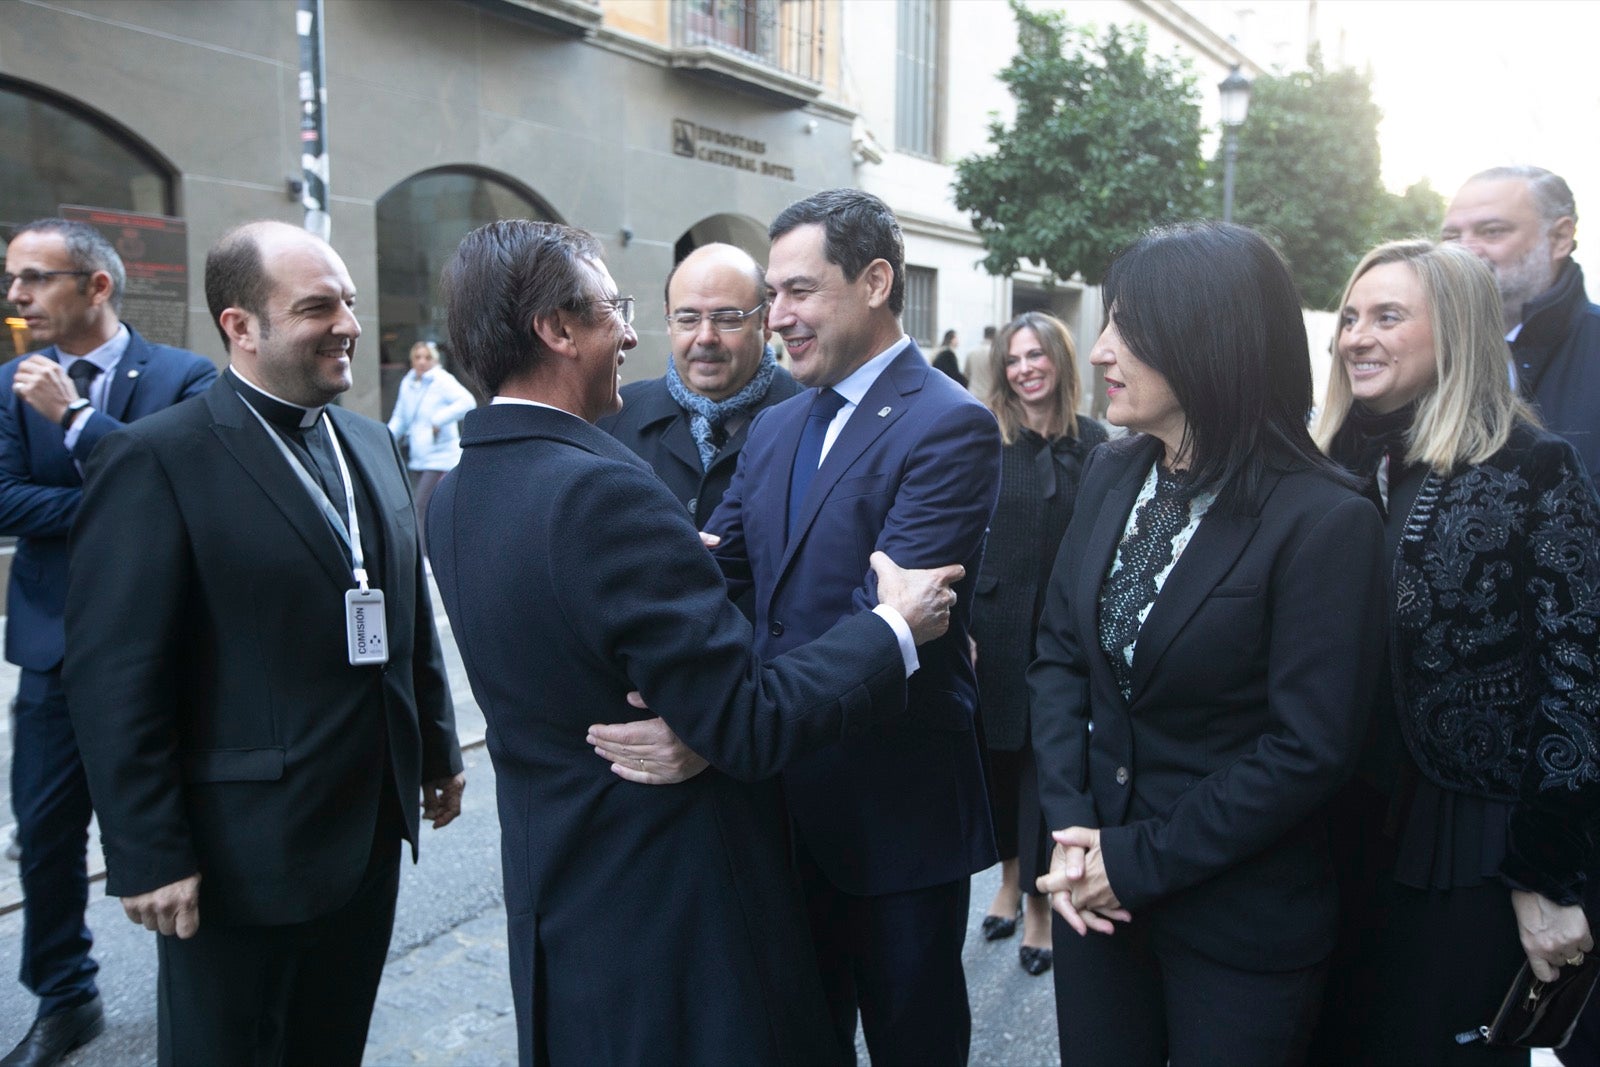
1203,673
1034,397
1471,820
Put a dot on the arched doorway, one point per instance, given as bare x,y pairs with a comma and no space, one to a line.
420,223
739,230
60,152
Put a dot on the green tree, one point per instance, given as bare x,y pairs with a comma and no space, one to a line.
1105,144
1307,173
1418,212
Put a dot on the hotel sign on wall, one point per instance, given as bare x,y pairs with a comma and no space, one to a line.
694,141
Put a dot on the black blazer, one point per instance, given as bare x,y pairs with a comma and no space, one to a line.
221,724
1038,485
645,924
1494,649
1253,678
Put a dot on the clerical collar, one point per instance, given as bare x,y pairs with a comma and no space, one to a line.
279,412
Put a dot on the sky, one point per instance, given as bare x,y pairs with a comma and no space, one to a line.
1463,85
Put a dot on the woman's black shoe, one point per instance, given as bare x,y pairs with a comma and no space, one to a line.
1035,961
998,928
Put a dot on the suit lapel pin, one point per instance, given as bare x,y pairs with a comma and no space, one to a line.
133,373
883,411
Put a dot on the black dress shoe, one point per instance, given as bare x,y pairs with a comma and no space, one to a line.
998,927
1035,961
53,1036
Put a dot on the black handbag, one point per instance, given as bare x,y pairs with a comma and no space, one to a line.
1539,1014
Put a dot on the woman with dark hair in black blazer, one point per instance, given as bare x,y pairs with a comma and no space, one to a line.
1203,674
1034,396
1471,822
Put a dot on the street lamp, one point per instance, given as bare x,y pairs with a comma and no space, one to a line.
1235,90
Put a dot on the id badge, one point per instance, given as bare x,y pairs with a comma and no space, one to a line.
365,630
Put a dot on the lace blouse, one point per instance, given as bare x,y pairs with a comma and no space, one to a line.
1163,520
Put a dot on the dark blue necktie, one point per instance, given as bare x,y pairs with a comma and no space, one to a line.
809,455
83,374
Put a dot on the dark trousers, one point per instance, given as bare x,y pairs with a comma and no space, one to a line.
897,958
1138,997
50,796
265,996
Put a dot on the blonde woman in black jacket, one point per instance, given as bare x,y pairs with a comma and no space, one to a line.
1469,827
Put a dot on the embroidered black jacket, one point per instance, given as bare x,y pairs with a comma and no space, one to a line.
1495,649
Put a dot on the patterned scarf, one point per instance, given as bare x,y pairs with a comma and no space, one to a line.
707,417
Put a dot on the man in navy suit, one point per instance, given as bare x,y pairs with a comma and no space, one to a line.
94,375
881,453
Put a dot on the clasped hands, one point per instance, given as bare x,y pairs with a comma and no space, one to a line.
1080,891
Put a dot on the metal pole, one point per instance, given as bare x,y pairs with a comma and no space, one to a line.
313,120
1230,156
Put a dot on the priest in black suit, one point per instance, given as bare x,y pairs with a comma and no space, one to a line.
644,925
257,722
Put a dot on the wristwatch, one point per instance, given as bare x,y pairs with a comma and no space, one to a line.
72,411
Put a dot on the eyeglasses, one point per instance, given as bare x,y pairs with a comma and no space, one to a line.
622,305
726,321
30,279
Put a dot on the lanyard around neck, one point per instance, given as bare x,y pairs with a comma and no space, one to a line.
319,495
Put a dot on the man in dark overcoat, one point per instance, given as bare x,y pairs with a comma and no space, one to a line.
644,925
690,423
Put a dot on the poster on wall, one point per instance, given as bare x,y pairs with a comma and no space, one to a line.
155,252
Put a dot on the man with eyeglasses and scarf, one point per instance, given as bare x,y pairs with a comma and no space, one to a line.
690,423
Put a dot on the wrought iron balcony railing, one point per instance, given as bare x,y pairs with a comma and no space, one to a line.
770,46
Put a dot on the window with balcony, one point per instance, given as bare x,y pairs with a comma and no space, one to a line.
918,49
743,25
770,47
